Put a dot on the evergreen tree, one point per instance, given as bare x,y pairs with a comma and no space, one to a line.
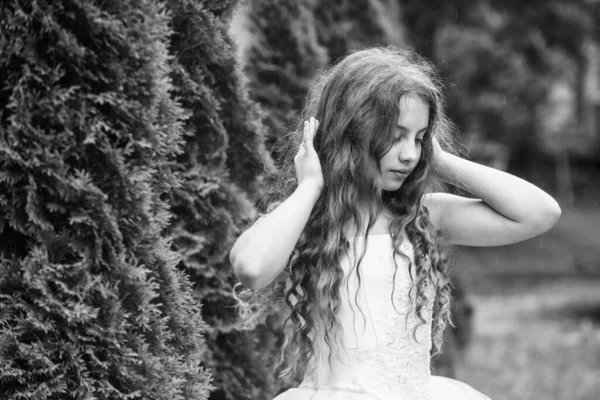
284,59
220,169
344,25
91,302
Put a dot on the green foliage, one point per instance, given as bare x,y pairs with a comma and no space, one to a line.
220,170
91,302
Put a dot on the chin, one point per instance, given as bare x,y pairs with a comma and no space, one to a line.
392,187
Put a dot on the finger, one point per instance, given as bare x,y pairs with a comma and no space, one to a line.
311,135
300,153
306,135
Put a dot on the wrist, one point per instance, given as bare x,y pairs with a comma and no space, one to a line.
442,164
310,189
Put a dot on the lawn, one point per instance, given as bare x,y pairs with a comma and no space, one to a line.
537,314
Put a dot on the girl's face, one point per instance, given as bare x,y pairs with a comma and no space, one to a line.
403,156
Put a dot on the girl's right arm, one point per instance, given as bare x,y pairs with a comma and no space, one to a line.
263,250
260,253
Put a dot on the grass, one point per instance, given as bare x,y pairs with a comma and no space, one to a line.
537,314
542,343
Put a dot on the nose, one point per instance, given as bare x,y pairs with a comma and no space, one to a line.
407,152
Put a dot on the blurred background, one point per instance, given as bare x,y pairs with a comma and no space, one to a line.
523,87
123,124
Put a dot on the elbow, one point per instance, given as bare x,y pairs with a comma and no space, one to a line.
245,273
252,267
549,216
553,213
241,271
248,281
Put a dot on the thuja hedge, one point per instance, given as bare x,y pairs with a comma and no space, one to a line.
92,305
281,61
220,171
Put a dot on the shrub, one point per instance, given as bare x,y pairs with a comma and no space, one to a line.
284,59
220,170
91,302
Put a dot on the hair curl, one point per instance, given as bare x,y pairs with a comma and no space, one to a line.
357,102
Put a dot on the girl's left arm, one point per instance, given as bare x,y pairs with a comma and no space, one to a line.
506,210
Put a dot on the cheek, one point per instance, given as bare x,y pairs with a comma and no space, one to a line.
385,160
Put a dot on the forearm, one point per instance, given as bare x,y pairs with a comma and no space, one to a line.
510,196
263,250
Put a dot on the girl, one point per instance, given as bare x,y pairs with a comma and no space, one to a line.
354,227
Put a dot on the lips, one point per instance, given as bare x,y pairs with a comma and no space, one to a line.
402,171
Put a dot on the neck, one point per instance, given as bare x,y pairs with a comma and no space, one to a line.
381,225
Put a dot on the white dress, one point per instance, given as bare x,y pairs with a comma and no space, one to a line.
380,358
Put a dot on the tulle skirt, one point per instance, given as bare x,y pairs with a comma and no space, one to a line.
440,388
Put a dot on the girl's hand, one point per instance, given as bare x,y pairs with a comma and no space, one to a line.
437,151
308,166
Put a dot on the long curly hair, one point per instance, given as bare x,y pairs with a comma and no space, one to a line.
357,102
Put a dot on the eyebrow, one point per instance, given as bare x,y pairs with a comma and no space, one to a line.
406,129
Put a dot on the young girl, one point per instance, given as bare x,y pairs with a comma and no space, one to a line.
354,227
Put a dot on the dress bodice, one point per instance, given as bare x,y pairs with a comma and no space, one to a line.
379,352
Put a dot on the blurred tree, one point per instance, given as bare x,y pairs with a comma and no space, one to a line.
220,171
505,59
344,25
91,302
569,115
423,19
282,60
